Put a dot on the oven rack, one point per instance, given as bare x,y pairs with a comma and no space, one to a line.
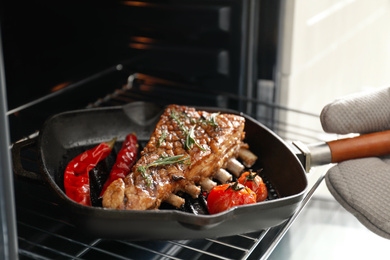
44,232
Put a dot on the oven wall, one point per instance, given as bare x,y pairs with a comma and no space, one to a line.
8,237
48,45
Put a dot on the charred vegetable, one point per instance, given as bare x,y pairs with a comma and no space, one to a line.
125,159
223,197
76,178
254,182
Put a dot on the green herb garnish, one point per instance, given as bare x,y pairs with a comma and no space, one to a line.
163,160
212,121
190,139
190,135
142,170
209,121
162,138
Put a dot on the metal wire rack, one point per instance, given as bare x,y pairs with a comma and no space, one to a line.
44,232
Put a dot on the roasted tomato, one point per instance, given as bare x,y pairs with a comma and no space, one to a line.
223,197
254,182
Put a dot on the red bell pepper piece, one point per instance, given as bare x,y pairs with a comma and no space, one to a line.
76,178
124,161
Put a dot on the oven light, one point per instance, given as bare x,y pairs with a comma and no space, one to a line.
60,86
135,3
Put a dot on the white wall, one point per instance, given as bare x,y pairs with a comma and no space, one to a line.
331,48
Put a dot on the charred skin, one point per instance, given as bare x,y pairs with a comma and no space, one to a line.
214,145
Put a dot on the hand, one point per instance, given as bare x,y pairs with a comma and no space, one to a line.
361,186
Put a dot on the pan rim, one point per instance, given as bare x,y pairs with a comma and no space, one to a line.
174,215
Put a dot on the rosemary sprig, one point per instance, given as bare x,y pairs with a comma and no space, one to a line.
212,121
189,134
209,121
202,120
190,139
175,117
162,138
142,170
163,160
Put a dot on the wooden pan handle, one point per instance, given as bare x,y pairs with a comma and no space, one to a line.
368,145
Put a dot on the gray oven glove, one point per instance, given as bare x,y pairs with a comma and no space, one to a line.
361,186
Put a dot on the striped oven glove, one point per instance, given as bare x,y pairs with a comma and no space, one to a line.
361,186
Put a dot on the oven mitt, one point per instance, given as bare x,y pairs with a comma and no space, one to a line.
361,186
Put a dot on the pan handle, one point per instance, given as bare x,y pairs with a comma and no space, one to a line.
27,146
366,145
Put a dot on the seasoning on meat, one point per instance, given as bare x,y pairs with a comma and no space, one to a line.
193,145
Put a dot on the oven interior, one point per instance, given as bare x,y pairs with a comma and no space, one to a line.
73,55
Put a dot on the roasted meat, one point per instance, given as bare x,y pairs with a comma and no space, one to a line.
186,147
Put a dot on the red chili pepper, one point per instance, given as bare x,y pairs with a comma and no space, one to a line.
76,178
223,197
254,182
124,161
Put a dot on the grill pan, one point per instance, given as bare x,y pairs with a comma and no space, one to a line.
68,134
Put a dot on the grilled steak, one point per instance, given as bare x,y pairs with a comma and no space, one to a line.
193,144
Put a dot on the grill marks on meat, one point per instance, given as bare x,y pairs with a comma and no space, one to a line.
214,146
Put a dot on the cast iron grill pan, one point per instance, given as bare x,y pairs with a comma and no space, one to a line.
99,175
65,135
